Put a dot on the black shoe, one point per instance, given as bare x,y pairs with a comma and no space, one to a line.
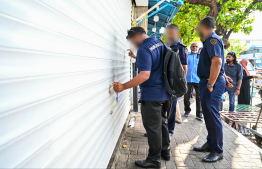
148,163
213,157
165,154
145,134
204,148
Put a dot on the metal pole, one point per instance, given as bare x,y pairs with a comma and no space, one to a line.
152,14
252,91
258,118
135,90
153,7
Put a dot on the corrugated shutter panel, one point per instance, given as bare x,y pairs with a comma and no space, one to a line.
57,61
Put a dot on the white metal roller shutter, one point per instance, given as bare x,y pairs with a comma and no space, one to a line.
57,60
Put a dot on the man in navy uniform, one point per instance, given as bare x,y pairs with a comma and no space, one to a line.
212,85
172,33
154,97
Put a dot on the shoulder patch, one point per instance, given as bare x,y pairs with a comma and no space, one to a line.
213,41
186,51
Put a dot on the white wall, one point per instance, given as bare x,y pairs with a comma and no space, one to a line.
57,60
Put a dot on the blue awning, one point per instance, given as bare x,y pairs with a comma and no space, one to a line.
166,15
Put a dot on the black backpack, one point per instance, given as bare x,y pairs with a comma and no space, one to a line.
174,74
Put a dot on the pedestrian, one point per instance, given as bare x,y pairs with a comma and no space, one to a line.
244,96
172,34
212,85
192,82
235,71
154,97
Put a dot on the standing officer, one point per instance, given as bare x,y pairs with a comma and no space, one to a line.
212,85
172,33
154,97
192,81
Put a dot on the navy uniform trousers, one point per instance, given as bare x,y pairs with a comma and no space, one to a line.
210,102
172,116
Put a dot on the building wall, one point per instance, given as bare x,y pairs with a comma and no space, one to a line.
139,10
58,60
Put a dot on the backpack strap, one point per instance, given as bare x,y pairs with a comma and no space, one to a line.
169,52
167,47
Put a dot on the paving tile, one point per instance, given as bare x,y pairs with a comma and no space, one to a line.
131,165
133,145
238,152
123,157
171,164
136,157
208,165
180,164
133,150
258,162
141,151
143,146
120,165
247,164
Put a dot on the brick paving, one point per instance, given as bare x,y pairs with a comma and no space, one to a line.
239,152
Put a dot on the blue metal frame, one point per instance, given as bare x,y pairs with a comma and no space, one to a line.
166,15
152,14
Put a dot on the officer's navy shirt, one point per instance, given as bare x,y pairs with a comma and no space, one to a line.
192,61
182,52
235,72
150,57
213,46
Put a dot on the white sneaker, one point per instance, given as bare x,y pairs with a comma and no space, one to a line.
170,136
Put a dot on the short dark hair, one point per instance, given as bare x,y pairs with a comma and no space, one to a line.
135,31
173,26
208,22
233,54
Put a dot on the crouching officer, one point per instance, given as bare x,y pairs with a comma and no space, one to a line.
154,97
212,85
172,33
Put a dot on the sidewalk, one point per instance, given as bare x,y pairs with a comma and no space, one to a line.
239,152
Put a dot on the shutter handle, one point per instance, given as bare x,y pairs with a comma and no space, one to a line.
110,89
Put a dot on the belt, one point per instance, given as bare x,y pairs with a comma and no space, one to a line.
207,78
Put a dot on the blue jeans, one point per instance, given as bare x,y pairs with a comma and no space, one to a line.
172,116
232,96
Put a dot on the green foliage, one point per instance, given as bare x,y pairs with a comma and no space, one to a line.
232,14
187,19
237,46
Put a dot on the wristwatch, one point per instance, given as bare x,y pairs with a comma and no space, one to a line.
209,85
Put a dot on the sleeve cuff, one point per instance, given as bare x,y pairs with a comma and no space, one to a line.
144,69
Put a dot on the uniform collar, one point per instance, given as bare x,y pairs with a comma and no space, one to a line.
175,43
211,35
149,39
